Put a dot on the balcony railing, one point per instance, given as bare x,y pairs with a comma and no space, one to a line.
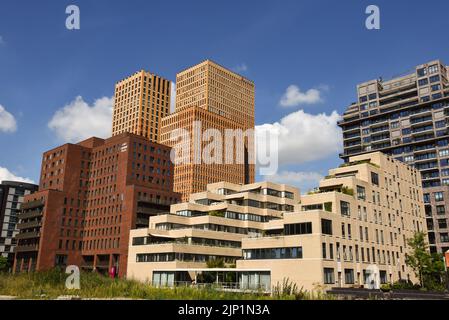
32,204
27,248
28,235
27,225
30,214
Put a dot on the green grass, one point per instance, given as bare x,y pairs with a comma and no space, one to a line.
51,284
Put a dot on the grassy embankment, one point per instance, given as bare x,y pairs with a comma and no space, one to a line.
51,284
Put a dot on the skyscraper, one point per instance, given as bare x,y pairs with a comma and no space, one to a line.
406,117
91,195
11,198
209,96
140,102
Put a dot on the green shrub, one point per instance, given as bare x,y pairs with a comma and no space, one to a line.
328,206
220,214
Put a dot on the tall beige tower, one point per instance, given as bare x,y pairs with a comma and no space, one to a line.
141,101
219,99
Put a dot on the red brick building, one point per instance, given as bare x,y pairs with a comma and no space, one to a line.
91,195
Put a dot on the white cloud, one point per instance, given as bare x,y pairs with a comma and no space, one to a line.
172,97
78,121
240,68
2,41
6,175
7,121
294,97
305,137
303,180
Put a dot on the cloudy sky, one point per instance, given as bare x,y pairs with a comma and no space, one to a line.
305,58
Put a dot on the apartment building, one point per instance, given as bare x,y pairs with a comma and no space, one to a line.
351,231
91,195
11,198
210,226
406,117
140,102
209,96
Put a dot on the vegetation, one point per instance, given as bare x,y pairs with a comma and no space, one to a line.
51,284
348,191
428,268
220,214
4,266
328,206
291,290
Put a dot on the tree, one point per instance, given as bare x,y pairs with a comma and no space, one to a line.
3,264
428,268
419,258
215,263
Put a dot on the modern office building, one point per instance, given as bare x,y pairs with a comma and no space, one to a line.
209,96
351,231
91,195
406,117
140,102
210,226
11,198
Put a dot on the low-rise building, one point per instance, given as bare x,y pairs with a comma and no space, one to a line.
351,231
209,227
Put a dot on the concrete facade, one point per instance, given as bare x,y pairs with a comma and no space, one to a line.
406,117
12,194
351,231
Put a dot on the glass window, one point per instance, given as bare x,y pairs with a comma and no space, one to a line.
345,208
326,226
422,72
441,210
329,276
439,196
349,276
442,223
375,178
361,195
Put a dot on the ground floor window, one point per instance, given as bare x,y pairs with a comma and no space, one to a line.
383,277
349,276
329,276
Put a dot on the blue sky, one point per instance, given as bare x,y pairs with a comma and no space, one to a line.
318,45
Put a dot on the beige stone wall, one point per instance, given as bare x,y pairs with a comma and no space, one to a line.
392,217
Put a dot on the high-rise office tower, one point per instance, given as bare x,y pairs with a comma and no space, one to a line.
406,117
11,198
91,195
140,102
209,96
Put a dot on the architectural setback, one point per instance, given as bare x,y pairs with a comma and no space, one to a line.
219,99
350,231
91,195
406,117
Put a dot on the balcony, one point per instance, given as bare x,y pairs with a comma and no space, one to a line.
352,137
30,224
32,204
27,248
30,214
28,235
